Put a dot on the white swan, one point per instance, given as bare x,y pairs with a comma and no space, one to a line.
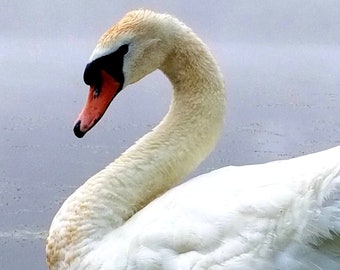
279,215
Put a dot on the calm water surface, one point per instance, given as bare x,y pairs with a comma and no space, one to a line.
284,101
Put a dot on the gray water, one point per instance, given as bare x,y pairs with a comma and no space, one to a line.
281,60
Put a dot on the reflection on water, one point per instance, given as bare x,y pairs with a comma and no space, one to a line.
283,102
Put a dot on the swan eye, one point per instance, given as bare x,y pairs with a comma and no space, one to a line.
111,63
123,49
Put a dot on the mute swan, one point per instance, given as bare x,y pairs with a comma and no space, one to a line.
279,215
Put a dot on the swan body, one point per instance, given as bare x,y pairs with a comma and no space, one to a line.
279,215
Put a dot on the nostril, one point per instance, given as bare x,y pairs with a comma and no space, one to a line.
96,92
77,130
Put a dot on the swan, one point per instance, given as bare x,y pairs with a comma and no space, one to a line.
279,215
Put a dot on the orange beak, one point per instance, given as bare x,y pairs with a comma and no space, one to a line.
96,104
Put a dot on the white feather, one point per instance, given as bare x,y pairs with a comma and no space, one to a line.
279,215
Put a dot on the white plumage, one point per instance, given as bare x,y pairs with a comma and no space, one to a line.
280,215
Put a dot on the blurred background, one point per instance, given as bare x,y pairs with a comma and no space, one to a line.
281,61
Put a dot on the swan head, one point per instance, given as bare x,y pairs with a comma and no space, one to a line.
134,47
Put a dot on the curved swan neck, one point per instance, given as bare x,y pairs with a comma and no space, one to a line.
157,161
188,132
185,136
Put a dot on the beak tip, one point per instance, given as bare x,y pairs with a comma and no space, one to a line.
77,131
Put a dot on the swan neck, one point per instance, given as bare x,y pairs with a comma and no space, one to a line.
156,162
186,135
